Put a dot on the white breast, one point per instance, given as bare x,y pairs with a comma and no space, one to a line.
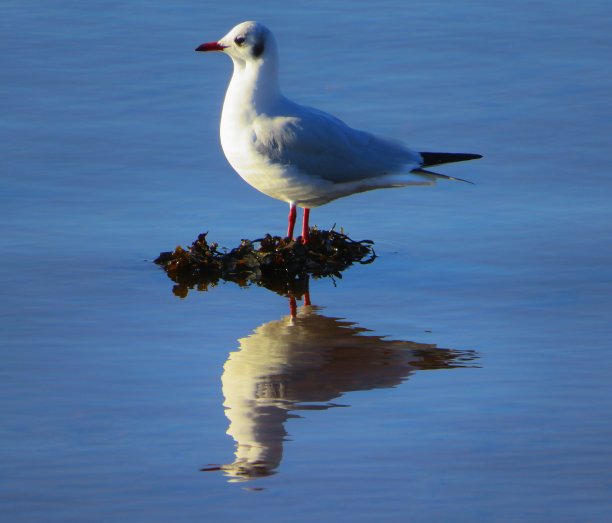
239,139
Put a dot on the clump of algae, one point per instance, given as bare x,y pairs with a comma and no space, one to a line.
277,263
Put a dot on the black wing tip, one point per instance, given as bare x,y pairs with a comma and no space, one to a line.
430,159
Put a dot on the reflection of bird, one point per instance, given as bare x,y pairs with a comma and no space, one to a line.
303,362
298,154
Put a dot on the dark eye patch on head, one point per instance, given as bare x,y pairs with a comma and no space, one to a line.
258,48
239,40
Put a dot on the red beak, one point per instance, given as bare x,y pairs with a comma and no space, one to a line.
211,46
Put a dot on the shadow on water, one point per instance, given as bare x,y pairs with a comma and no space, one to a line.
303,361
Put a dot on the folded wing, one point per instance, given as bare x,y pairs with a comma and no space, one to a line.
319,144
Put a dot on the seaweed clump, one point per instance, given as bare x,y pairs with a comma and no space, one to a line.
277,263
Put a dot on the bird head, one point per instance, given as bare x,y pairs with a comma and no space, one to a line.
247,42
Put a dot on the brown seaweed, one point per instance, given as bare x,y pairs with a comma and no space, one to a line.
280,264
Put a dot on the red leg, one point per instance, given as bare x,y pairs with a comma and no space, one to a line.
307,298
292,217
305,235
292,306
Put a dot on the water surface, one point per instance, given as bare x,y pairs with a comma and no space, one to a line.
115,393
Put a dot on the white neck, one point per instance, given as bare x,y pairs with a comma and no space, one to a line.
254,87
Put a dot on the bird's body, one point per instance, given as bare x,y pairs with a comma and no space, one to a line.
298,154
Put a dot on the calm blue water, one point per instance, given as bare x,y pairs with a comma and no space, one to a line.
115,393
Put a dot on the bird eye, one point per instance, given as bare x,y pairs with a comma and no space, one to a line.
239,40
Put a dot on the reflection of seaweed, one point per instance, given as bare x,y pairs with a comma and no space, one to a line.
279,264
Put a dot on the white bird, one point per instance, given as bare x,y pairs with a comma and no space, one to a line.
298,154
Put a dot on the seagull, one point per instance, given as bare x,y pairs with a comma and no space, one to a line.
298,154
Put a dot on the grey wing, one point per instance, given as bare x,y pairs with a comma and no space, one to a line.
319,144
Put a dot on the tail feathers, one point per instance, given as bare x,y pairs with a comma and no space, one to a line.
431,174
430,159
